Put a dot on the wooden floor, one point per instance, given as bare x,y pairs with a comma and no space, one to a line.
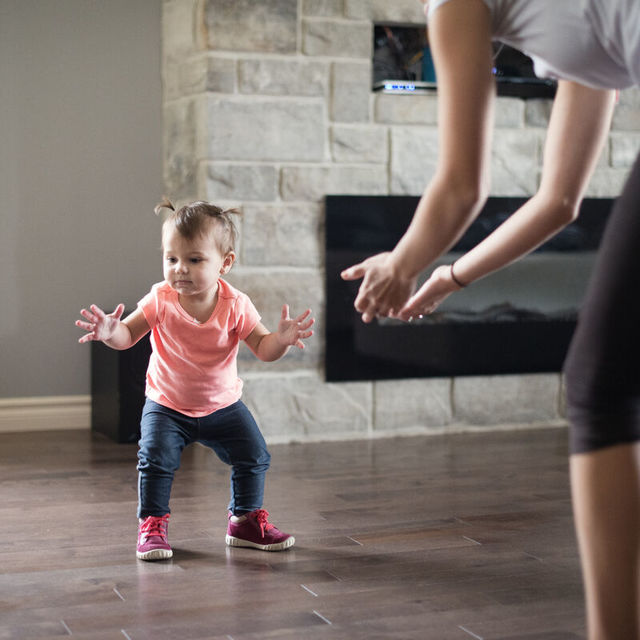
443,538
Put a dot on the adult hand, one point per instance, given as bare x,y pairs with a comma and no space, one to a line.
100,325
383,290
292,331
431,294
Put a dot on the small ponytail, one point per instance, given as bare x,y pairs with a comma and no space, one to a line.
165,204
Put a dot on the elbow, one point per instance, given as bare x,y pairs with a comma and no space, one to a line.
469,201
475,199
563,210
462,194
569,211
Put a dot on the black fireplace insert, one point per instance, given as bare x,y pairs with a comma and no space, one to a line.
518,320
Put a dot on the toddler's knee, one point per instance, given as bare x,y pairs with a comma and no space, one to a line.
258,461
263,460
158,461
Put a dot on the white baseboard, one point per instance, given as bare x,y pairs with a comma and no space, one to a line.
45,413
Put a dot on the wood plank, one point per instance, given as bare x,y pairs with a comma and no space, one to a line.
442,537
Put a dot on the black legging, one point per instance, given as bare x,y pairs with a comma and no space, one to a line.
603,365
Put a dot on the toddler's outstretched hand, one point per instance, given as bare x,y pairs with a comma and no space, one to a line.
292,331
100,325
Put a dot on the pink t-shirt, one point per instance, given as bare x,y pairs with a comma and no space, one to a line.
193,368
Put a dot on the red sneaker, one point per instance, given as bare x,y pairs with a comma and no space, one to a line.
152,538
253,530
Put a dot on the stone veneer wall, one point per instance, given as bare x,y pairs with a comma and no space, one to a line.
268,106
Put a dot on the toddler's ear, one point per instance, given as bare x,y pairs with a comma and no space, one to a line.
229,259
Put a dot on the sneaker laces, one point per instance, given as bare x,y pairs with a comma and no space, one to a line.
154,526
261,519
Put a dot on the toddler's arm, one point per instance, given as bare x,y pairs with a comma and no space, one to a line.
291,332
108,328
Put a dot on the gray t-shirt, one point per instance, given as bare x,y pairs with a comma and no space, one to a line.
594,42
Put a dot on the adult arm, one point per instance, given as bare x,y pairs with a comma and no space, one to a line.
577,132
460,39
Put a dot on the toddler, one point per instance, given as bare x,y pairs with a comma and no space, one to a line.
193,392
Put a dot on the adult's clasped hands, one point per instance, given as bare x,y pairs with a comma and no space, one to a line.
384,292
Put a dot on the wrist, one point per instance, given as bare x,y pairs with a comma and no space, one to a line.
281,340
399,267
461,284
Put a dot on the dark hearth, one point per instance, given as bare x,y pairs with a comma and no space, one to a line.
519,320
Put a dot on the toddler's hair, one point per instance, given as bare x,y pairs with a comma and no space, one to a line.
192,219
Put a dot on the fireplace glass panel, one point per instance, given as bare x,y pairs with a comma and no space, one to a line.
517,320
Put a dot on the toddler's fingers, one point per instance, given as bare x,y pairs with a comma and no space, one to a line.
307,324
87,326
302,316
85,313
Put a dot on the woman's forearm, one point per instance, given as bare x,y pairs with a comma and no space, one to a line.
536,221
442,216
577,132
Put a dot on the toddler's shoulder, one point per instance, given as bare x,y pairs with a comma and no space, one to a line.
238,306
162,290
230,293
158,297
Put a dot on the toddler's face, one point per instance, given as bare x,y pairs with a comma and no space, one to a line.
193,266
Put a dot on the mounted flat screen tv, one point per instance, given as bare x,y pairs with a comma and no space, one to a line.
402,63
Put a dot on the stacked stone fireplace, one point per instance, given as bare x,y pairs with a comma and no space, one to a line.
268,107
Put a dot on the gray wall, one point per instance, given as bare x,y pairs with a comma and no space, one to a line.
80,172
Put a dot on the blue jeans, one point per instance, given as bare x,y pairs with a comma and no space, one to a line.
231,432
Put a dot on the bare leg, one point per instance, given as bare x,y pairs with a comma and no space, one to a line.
606,501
